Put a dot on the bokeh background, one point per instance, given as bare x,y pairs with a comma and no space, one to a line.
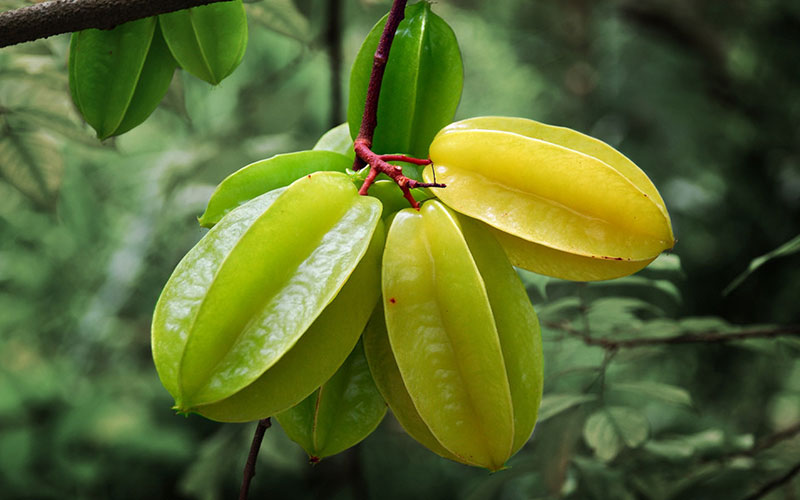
704,96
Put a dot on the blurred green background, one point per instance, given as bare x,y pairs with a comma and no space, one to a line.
704,96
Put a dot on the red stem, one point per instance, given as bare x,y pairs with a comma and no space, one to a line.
407,159
369,120
379,166
363,143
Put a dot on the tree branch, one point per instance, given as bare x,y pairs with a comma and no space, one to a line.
697,338
65,16
775,483
250,465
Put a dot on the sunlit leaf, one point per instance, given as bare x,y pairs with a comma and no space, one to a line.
609,429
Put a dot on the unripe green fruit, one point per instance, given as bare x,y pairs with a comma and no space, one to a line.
265,175
463,335
260,312
561,203
338,415
117,77
207,41
421,86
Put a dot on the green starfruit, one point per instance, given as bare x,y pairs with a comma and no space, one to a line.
561,203
207,41
271,301
117,77
463,336
338,140
338,415
265,175
421,86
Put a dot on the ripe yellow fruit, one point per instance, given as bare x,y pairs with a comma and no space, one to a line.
561,203
459,359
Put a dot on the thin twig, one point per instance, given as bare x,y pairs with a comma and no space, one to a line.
378,165
761,445
775,438
363,143
696,338
775,483
65,16
369,120
250,465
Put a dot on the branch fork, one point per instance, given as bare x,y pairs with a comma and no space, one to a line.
379,163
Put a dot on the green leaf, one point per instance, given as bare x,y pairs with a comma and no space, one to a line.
656,390
31,162
264,176
609,429
672,449
207,41
421,87
553,404
790,247
601,481
338,415
337,140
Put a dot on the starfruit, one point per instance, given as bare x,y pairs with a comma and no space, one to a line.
338,415
207,41
459,359
117,77
421,86
338,140
560,202
270,302
265,175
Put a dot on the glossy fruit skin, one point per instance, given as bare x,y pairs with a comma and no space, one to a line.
561,203
207,41
463,335
337,140
265,175
421,86
240,302
338,415
117,77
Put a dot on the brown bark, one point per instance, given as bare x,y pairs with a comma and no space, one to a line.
54,17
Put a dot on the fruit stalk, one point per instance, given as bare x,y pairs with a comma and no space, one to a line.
362,144
250,466
370,118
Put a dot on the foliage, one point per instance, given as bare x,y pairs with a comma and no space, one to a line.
89,233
